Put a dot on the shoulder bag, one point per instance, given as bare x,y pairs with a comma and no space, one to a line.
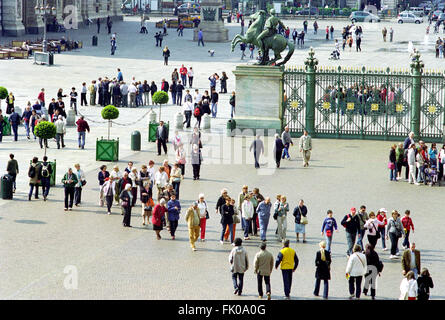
377,234
303,219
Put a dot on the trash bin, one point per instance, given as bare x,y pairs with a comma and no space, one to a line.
136,141
231,125
6,187
94,41
51,59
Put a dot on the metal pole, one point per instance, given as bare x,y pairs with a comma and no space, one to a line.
311,63
44,28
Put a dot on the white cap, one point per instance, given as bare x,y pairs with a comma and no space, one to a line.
383,210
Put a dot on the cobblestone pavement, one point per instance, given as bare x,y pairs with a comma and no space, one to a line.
38,240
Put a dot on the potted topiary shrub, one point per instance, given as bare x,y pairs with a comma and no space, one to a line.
159,98
108,149
47,130
3,95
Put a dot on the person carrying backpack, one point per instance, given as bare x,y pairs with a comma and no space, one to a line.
46,171
198,114
34,178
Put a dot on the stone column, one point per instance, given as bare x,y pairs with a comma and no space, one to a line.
12,18
259,97
212,25
416,72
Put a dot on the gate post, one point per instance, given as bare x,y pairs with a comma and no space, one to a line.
311,68
416,72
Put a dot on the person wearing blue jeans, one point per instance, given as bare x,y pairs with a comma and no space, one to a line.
352,226
45,173
239,265
327,229
322,264
214,97
15,119
363,217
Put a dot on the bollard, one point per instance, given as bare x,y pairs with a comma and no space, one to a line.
151,116
70,118
179,119
206,121
136,141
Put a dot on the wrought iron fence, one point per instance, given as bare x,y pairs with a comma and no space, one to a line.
365,103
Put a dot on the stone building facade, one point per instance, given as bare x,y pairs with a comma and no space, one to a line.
17,17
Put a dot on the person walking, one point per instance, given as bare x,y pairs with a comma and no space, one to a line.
69,182
287,259
424,284
287,141
351,224
200,38
409,287
239,262
355,270
306,147
14,120
394,232
258,149
166,55
278,149
323,269
193,222
80,175
46,171
203,215
34,178
281,211
190,75
126,198
226,212
372,225
93,90
263,213
391,34
408,224
263,266
327,229
214,101
247,214
60,131
384,32
374,267
12,168
381,216
147,200
362,218
174,210
108,193
223,82
196,160
82,128
158,217
411,260
161,137
243,47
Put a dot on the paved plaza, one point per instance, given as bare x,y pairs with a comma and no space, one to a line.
39,242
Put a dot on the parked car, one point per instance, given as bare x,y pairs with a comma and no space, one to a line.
362,16
408,17
305,12
417,11
194,8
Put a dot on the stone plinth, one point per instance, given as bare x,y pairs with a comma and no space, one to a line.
258,97
212,24
12,18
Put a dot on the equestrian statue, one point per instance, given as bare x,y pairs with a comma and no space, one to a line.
263,34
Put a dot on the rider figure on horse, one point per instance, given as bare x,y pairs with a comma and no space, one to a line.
270,29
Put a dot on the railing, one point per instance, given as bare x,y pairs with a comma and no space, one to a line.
366,103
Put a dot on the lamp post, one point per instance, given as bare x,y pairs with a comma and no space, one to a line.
44,12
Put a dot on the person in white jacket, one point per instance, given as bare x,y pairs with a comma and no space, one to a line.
80,183
247,214
412,164
372,225
355,270
161,180
408,287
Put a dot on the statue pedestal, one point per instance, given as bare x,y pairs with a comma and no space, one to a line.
258,97
212,24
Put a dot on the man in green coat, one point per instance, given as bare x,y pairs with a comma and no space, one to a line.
69,182
13,169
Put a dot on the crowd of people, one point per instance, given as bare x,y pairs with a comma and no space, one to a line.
423,165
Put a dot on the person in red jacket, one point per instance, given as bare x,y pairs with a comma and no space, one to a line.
41,97
183,72
407,223
381,216
82,127
158,216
